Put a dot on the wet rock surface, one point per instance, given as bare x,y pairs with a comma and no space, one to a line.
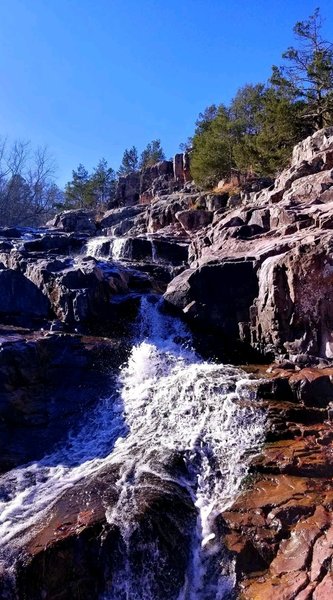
279,529
73,552
47,382
285,230
253,270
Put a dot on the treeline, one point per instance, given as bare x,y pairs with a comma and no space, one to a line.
97,189
254,134
257,131
29,196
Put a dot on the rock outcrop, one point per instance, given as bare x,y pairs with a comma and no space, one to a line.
285,233
279,530
77,220
76,545
48,380
160,179
255,269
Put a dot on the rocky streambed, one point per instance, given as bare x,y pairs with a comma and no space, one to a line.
142,457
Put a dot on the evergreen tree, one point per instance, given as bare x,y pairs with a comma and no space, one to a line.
308,72
102,184
212,156
205,118
78,192
130,162
152,154
245,123
281,127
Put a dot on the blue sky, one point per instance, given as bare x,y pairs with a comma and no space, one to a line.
90,78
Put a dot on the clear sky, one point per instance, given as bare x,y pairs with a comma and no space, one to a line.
90,78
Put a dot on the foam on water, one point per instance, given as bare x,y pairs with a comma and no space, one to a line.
176,402
168,400
95,246
103,246
118,247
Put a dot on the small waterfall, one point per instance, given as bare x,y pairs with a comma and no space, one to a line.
175,402
106,247
154,252
98,247
168,403
118,247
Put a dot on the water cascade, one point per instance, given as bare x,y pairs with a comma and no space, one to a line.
117,248
169,403
106,247
98,247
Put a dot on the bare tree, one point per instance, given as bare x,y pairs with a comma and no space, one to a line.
28,193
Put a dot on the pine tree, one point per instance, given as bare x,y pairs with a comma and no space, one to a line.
152,154
212,156
308,72
103,183
129,163
78,192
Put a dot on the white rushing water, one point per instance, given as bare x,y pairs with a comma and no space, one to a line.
118,247
97,246
106,247
168,400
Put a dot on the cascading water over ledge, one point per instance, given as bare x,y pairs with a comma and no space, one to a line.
176,435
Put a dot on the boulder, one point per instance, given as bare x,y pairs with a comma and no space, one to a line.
118,215
77,220
192,220
162,213
56,243
80,547
219,295
20,297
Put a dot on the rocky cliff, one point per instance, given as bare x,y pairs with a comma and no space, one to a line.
251,271
275,244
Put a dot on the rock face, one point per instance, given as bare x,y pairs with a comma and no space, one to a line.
293,311
46,381
162,178
216,294
285,231
78,220
19,295
280,530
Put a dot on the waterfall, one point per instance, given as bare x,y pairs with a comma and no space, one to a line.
175,402
168,402
98,246
154,251
106,247
118,247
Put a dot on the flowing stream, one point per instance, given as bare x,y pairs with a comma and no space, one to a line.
167,401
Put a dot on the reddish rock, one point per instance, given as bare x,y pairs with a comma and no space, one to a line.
280,588
322,553
192,220
306,594
294,553
324,590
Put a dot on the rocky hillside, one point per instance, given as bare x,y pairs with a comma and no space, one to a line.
259,262
262,270
251,270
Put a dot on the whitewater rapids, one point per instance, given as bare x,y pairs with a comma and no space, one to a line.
167,400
